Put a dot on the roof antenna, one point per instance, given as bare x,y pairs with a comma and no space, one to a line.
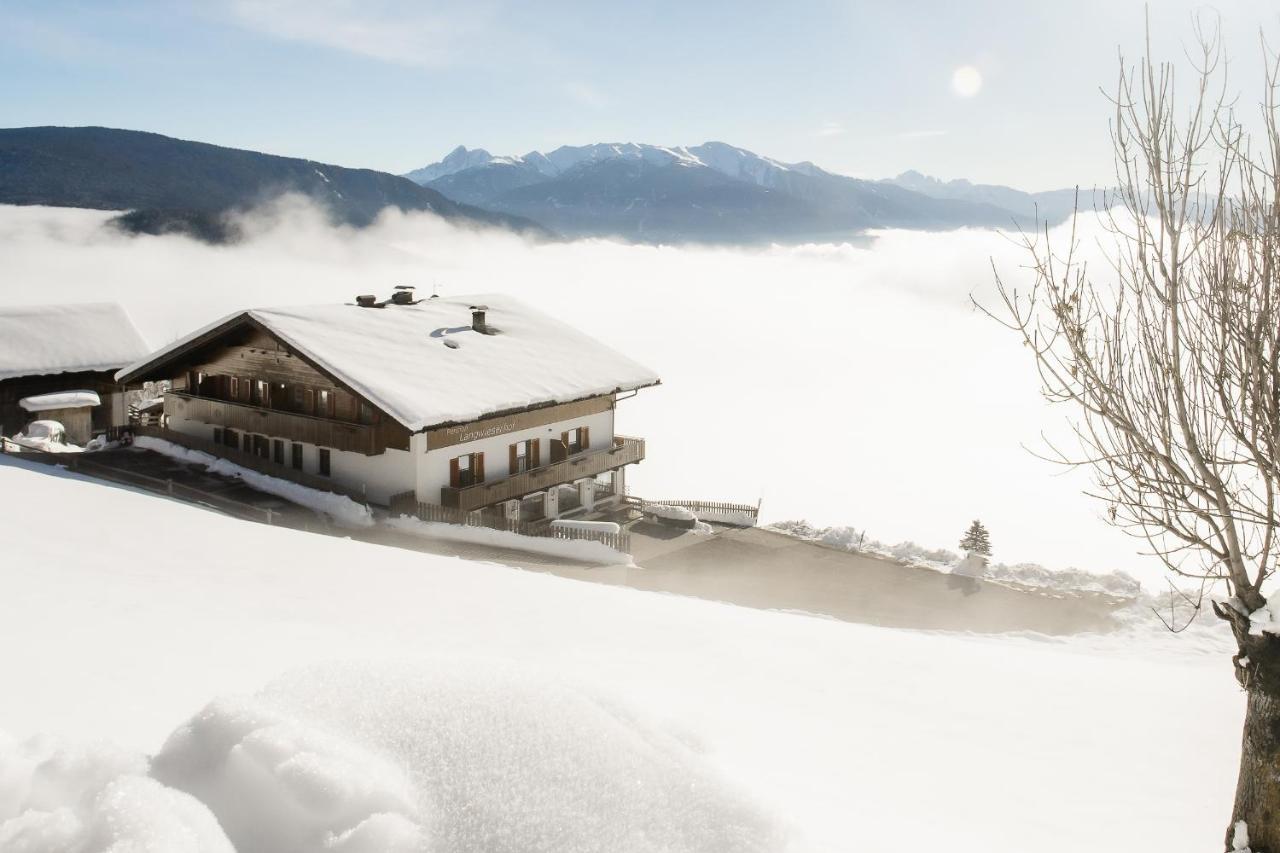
435,290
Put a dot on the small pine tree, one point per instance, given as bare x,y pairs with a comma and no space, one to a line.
976,540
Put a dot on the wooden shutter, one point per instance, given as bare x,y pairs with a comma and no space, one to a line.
455,475
513,461
586,438
535,457
477,465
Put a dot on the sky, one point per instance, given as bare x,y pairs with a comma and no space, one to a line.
997,92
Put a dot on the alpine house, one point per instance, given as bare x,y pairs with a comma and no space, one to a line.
476,402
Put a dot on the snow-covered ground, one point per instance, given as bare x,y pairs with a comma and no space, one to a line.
309,690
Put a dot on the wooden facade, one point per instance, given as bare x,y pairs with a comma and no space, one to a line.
249,381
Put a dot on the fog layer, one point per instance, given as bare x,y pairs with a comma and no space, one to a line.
840,384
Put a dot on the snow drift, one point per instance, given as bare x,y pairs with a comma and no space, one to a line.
91,798
455,757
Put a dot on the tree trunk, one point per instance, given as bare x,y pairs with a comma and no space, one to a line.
1257,803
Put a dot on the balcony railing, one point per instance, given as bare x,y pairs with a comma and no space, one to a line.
359,438
625,451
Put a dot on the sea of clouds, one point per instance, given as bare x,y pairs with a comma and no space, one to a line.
840,384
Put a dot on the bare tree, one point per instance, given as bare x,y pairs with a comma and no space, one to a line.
1170,356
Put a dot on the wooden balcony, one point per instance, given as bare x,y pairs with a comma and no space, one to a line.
244,417
625,451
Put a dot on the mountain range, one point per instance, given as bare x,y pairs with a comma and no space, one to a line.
718,193
710,193
169,184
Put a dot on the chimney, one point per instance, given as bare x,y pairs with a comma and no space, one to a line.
477,319
367,301
403,295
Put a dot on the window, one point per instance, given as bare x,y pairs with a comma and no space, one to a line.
368,415
324,404
309,402
230,438
260,395
570,442
277,451
466,470
524,455
217,435
233,388
261,447
297,456
246,443
324,462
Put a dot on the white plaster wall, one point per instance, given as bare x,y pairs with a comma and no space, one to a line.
433,467
377,477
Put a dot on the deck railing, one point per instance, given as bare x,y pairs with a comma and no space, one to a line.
245,417
406,503
625,451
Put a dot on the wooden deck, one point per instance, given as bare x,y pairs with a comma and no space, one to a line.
309,429
625,451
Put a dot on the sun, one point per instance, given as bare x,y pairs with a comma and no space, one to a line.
966,81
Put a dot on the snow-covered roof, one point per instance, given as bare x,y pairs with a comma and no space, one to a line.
42,339
60,400
425,366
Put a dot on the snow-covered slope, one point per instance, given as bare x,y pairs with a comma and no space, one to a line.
311,691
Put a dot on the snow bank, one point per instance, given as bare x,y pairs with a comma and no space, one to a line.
669,511
340,507
455,757
941,560
44,435
579,524
572,549
95,799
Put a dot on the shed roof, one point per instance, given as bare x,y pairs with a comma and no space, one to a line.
36,340
425,366
60,400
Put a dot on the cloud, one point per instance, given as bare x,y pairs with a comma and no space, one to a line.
409,34
832,128
843,384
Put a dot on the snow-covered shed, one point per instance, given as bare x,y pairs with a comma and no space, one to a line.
72,409
470,402
50,349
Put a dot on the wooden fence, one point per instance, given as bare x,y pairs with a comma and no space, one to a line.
407,503
77,462
742,515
